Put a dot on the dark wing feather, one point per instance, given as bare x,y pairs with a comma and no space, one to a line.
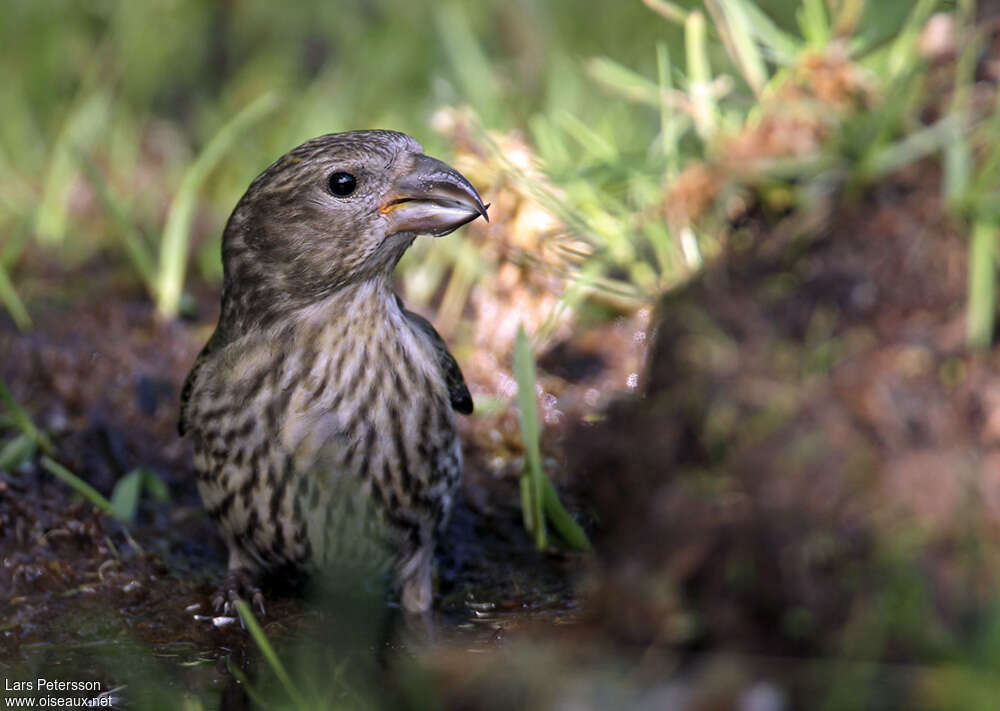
182,421
458,391
209,348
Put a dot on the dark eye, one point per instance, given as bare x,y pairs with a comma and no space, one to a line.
342,184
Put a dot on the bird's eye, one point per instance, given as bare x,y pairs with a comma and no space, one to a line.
342,184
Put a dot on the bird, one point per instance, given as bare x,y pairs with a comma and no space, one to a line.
322,412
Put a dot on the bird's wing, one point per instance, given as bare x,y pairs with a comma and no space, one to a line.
458,391
183,421
214,343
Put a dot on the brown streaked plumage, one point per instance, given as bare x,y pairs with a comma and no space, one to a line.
320,399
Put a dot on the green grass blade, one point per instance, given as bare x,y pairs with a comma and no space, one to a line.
254,695
15,238
669,10
735,28
18,196
564,524
958,156
138,252
257,633
16,452
988,175
781,45
466,269
472,68
814,23
154,485
83,488
550,142
80,130
957,169
915,146
23,420
904,51
623,81
669,134
700,76
590,141
12,302
982,283
177,231
538,496
524,373
125,497
527,507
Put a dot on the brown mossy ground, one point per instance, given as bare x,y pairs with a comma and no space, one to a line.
809,402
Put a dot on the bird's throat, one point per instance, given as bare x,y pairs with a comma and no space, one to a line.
361,305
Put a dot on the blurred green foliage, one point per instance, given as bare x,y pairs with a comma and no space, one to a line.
139,90
135,127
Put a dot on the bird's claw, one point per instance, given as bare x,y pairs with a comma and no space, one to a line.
236,585
258,603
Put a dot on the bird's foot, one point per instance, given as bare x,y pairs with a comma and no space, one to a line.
238,584
417,594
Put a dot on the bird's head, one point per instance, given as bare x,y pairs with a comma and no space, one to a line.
337,210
